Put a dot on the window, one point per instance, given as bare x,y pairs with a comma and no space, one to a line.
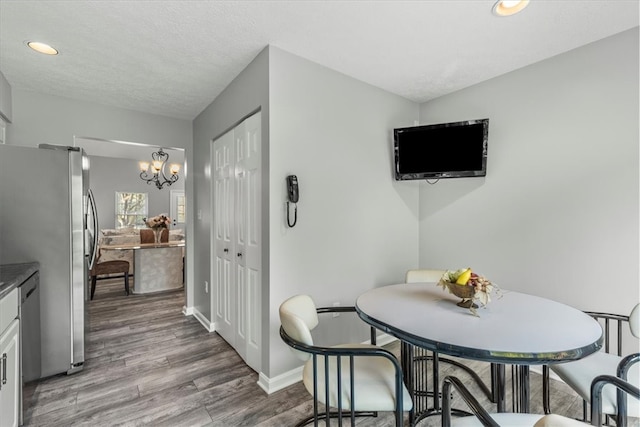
131,209
181,209
178,207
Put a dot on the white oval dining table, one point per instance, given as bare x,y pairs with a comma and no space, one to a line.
516,328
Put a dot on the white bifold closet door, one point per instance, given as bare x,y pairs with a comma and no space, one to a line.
236,241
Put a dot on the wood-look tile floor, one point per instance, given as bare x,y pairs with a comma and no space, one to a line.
148,364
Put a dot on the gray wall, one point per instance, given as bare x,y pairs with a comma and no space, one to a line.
247,93
109,175
557,214
40,118
357,227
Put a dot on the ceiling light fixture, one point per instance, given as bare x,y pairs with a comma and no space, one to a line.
42,48
508,8
153,172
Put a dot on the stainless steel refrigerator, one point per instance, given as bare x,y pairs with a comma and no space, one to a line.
47,215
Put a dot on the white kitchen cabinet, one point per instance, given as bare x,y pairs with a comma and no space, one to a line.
10,375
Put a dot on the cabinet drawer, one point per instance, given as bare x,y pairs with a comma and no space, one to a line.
8,309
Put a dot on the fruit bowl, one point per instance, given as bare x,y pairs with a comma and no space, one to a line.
469,286
465,292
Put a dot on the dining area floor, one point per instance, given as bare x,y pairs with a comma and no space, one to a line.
148,364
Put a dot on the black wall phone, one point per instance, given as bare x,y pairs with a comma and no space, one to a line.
292,187
293,194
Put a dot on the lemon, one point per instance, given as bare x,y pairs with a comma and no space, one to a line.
464,277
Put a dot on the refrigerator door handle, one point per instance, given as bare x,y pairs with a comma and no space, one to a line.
94,216
4,368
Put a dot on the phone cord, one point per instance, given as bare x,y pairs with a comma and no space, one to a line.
295,215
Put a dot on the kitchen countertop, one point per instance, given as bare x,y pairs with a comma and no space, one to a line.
12,275
125,246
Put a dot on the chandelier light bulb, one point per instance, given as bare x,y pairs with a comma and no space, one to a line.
144,166
174,168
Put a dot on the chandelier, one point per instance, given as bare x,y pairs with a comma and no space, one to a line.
154,172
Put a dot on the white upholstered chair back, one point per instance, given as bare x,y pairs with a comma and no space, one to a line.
298,317
423,275
634,321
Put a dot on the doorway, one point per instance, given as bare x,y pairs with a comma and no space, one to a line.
178,209
114,169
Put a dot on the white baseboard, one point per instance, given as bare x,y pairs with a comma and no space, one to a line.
271,385
187,311
209,326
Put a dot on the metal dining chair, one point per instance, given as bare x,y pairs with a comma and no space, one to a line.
481,417
356,379
579,374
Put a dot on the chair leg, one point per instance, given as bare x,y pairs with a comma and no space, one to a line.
126,282
93,285
546,403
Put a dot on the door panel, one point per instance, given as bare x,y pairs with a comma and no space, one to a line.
248,237
223,242
10,372
253,319
241,325
237,232
240,143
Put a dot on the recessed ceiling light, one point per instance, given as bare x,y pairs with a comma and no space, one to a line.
42,48
508,8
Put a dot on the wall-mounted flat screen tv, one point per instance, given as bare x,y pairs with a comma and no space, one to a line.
446,150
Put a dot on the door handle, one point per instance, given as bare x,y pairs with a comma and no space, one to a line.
226,249
4,368
240,254
94,215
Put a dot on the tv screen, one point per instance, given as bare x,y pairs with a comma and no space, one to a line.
446,150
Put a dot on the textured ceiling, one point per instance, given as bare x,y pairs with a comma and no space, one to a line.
174,57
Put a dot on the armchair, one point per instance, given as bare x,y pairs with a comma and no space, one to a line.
357,379
580,374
